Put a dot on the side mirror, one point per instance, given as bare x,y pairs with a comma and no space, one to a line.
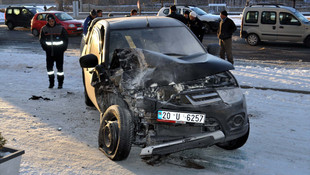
88,61
213,49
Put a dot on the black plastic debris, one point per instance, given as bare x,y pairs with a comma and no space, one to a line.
34,97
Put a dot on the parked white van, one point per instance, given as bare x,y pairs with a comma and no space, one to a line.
270,22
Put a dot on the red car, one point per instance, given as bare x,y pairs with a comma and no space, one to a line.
71,25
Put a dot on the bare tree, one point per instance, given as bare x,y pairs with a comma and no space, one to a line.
162,1
60,4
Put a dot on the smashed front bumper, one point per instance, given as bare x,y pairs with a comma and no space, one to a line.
197,141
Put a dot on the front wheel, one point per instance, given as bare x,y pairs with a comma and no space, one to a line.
115,133
235,144
252,39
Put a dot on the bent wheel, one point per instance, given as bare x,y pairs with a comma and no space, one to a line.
252,39
115,133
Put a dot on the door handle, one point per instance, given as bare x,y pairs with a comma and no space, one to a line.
273,27
281,27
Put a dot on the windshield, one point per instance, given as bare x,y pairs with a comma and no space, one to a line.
301,17
63,16
199,11
173,41
35,10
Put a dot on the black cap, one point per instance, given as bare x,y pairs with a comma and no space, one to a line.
93,12
50,16
224,12
186,12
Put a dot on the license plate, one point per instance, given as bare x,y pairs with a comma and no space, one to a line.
180,117
79,28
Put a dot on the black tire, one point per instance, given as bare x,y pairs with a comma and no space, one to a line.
235,144
252,39
207,28
10,25
115,133
35,32
88,102
307,42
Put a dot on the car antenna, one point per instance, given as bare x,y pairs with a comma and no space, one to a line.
147,22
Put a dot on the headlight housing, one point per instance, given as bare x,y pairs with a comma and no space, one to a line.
71,25
178,93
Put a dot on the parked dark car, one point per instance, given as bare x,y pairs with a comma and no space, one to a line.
156,86
20,16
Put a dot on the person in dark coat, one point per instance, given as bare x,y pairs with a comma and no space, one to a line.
88,20
54,41
186,15
196,25
175,15
226,29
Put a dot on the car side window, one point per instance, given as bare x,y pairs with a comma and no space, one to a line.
268,17
288,19
25,12
94,44
9,11
16,11
251,17
166,11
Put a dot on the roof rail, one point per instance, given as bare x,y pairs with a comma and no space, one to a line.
266,4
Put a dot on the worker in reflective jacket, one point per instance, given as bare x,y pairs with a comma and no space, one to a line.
54,41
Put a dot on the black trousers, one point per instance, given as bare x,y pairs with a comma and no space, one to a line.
58,58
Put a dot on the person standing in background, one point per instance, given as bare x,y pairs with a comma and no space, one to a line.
54,41
224,33
88,20
99,13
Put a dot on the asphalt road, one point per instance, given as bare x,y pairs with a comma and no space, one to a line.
267,52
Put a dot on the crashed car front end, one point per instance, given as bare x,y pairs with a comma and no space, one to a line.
179,103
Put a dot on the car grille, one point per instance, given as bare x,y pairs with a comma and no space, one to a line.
204,97
78,25
197,97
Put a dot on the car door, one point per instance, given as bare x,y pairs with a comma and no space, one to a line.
269,26
93,46
25,17
290,28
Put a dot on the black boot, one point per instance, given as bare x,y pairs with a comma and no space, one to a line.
60,79
51,79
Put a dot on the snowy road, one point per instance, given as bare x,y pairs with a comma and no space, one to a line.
278,143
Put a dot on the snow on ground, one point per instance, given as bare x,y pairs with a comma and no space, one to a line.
59,135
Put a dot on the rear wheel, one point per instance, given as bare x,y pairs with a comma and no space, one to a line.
116,132
207,28
252,39
235,144
10,26
307,41
35,32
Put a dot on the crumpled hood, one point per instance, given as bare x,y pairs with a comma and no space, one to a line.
142,68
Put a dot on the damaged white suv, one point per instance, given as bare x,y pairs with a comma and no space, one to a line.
156,86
